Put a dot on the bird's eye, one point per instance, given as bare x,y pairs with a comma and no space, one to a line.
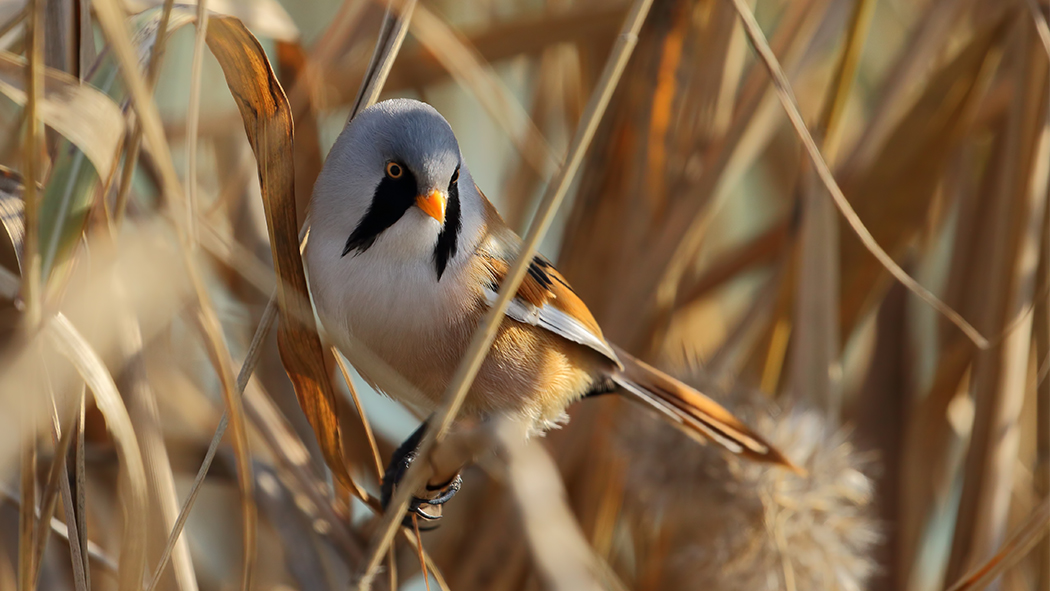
455,177
394,170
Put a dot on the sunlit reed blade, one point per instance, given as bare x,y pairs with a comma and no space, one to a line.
113,25
56,474
193,112
94,551
68,340
134,143
391,36
442,420
468,69
385,53
1035,528
787,98
144,411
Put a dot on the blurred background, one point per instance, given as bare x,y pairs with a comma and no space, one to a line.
697,231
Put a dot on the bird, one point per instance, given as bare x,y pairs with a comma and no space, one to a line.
405,255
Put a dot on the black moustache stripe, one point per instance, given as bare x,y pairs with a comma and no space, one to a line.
446,244
392,199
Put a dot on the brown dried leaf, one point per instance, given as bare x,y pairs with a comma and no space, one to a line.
268,124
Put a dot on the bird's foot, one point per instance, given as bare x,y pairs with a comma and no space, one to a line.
428,506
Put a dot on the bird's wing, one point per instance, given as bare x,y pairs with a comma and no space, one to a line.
544,298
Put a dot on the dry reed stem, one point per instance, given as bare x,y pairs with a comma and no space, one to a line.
77,552
27,510
193,112
79,523
32,283
817,350
468,369
269,315
590,25
391,37
1018,196
56,473
916,58
365,424
787,99
284,443
389,44
109,17
67,340
131,156
1031,532
293,457
146,414
94,551
33,172
16,19
211,331
1041,338
1041,27
470,70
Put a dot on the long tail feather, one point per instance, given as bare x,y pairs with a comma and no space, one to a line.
697,415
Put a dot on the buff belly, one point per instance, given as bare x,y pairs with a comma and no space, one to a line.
529,373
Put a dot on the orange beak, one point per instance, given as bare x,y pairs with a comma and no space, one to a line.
433,204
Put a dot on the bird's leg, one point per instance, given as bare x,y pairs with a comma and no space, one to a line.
445,461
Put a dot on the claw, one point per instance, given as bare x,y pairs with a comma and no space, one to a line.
427,508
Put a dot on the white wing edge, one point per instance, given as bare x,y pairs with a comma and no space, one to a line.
554,320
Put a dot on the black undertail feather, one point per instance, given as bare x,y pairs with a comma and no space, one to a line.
604,385
446,244
393,197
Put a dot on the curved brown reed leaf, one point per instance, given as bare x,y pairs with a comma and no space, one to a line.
81,113
268,124
386,50
65,337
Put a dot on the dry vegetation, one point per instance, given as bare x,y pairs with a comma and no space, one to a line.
830,215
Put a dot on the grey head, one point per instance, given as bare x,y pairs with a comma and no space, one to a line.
395,178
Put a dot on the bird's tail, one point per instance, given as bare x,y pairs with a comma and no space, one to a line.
697,415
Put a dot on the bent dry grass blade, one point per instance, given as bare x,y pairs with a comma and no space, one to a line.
92,128
68,340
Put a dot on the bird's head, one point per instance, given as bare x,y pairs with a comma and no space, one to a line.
395,184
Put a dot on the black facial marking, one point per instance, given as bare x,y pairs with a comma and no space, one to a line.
392,199
446,244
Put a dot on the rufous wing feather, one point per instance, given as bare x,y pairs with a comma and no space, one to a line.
695,414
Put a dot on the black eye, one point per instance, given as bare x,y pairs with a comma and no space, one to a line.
394,170
455,177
